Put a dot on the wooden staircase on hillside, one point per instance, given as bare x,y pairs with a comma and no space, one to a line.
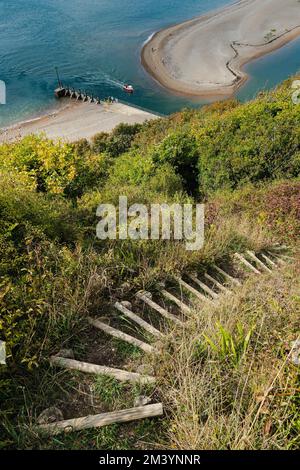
170,306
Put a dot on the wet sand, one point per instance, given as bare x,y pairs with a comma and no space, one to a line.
205,56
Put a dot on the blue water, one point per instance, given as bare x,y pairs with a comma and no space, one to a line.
96,45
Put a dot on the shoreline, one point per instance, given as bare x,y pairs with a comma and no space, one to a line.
225,40
75,120
35,116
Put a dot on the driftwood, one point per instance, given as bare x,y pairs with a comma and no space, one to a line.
121,335
185,308
147,300
258,261
104,419
203,286
246,263
232,279
132,316
119,374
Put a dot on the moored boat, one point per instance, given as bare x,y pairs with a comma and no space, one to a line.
128,88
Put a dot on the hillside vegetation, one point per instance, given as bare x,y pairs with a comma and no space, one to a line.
243,161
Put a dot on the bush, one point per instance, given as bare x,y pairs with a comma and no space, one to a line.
180,150
256,141
55,168
51,166
118,142
100,142
275,206
53,272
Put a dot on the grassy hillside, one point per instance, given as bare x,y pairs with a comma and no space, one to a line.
243,161
226,379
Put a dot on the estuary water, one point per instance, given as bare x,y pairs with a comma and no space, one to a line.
96,45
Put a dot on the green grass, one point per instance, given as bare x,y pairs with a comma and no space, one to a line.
127,351
242,160
229,346
240,391
109,390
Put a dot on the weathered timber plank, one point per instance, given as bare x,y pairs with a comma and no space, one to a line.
193,291
232,279
119,374
132,316
121,335
103,419
217,283
277,258
268,260
203,286
258,261
169,296
246,263
147,300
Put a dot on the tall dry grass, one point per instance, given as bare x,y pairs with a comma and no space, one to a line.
215,401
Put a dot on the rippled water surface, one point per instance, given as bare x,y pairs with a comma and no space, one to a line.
96,45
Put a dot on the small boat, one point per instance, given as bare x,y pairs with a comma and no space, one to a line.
128,88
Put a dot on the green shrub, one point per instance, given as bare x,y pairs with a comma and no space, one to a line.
51,166
55,168
53,271
256,141
180,150
118,142
100,142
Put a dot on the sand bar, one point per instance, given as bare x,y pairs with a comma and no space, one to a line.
204,56
77,120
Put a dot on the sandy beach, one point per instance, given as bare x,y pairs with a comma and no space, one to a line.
77,120
205,56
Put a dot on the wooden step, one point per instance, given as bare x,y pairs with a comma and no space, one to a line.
119,374
281,247
246,263
193,291
121,335
169,296
103,419
268,260
146,298
277,258
217,283
121,307
203,286
289,258
258,261
232,279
